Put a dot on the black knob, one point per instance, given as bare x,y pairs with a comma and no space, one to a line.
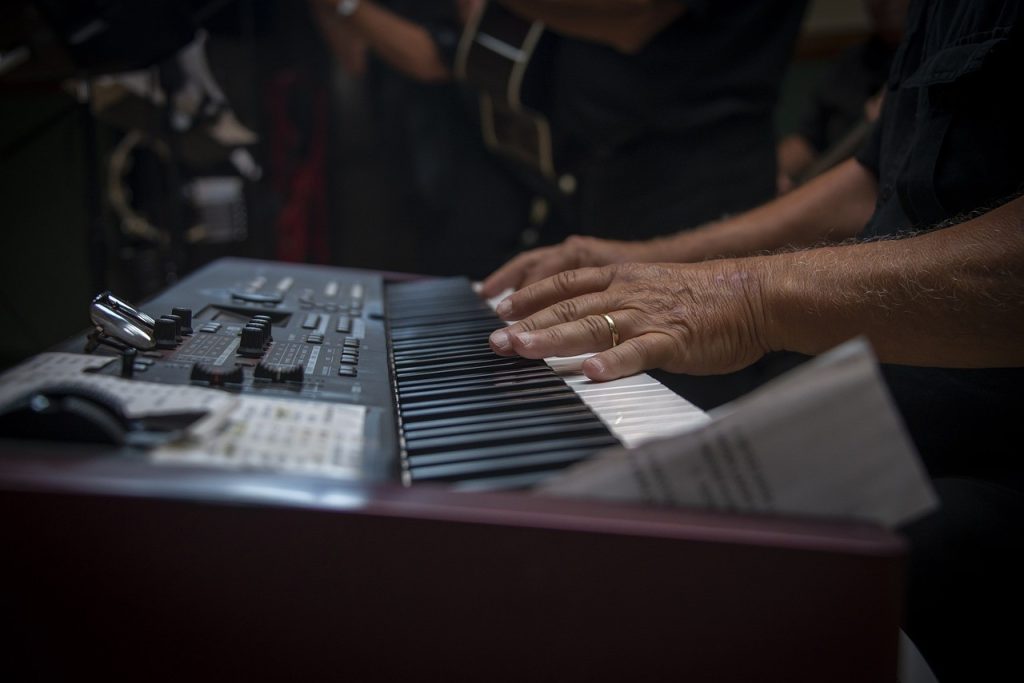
166,332
217,375
264,322
279,373
186,318
177,324
128,362
253,339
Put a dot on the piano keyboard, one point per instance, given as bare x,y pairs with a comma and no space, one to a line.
481,421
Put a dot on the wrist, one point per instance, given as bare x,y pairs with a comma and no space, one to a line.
777,300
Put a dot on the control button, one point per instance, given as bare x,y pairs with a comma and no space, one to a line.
217,375
351,342
311,322
166,332
128,357
210,327
186,318
344,324
347,371
252,342
279,373
264,322
258,298
315,339
349,358
178,327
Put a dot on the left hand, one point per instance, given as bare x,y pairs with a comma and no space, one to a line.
700,318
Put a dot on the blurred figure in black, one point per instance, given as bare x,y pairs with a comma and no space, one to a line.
660,115
465,210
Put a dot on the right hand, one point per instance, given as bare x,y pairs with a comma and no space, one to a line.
575,252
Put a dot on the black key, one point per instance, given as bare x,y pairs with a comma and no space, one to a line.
502,422
537,414
450,444
478,468
488,406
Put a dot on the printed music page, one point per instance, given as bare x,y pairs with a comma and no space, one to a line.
824,440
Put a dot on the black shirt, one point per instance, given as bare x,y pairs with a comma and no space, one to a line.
950,142
681,132
951,138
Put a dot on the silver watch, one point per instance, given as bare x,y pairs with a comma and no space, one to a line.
346,8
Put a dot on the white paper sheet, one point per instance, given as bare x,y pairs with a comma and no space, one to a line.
823,440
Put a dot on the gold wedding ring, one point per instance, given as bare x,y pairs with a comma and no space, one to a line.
611,328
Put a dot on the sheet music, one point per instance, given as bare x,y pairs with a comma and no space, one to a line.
822,440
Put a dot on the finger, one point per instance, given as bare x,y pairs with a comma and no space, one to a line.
585,335
566,311
637,354
548,265
565,285
508,276
509,340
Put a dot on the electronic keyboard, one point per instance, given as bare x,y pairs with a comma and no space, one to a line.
404,364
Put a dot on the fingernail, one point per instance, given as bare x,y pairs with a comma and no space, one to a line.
593,368
524,338
504,308
500,339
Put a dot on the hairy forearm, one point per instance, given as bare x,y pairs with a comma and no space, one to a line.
831,208
952,297
626,25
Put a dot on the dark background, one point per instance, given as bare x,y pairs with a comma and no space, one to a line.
61,243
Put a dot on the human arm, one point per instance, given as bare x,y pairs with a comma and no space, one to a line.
626,25
832,207
401,43
951,297
794,153
347,45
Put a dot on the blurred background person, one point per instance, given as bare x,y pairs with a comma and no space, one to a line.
845,101
660,116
